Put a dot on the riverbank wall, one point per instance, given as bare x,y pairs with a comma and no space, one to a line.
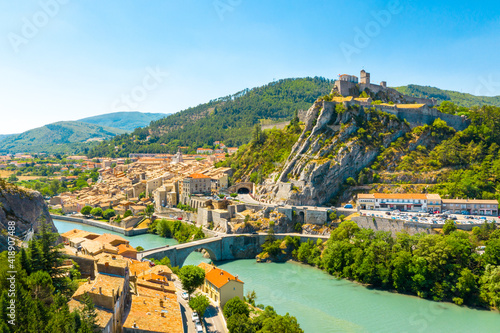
102,225
395,226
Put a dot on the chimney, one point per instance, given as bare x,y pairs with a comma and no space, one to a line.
100,290
163,314
88,279
161,302
135,325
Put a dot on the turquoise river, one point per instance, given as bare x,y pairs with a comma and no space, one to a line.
322,303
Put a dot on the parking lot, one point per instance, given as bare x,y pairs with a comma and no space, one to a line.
430,218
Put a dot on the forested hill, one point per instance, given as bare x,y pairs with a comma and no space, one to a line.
61,137
127,121
458,98
229,119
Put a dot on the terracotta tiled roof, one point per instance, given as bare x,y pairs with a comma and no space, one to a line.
77,233
414,196
108,238
470,201
103,315
155,315
198,176
126,248
161,270
219,277
107,283
113,261
94,247
365,196
206,267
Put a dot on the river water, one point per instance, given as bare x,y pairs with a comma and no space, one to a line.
322,303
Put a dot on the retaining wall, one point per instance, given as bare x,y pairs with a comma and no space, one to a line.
102,225
394,226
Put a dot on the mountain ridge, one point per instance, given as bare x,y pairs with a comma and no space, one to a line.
58,137
126,120
441,95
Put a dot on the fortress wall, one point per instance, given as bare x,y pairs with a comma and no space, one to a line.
418,100
319,217
425,116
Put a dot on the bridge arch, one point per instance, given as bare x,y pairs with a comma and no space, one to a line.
178,253
181,260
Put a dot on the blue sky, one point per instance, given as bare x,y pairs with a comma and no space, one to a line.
68,59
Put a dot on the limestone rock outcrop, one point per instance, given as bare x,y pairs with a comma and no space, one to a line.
26,208
336,144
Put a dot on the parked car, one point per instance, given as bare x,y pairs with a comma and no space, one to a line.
348,206
198,327
185,295
194,316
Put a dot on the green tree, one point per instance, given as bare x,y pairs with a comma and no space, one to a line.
86,210
139,248
492,252
449,227
490,286
88,316
96,212
127,213
149,211
12,178
284,323
199,303
108,214
191,277
235,306
240,323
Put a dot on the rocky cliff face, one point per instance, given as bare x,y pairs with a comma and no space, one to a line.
26,208
336,144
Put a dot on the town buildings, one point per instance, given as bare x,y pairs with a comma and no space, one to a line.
220,285
471,206
430,202
160,179
129,295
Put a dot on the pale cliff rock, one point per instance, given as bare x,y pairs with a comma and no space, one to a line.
24,207
330,150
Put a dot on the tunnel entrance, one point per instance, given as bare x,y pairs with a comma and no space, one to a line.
243,190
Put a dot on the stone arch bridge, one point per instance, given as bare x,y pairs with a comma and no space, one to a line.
225,247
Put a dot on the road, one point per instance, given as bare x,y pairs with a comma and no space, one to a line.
212,322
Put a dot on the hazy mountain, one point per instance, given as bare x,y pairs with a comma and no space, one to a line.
60,137
127,121
5,136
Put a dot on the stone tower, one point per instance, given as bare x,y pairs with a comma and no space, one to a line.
365,77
